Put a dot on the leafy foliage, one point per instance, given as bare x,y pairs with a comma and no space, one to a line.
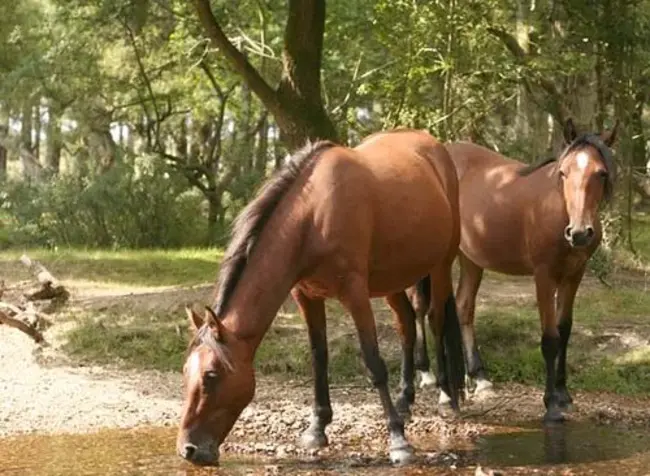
124,208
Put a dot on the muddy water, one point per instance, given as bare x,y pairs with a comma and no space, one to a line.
572,448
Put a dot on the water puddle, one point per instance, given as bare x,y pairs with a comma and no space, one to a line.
582,448
579,446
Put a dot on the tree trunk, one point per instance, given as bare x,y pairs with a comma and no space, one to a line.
636,128
297,104
53,141
262,148
26,127
214,212
246,125
36,147
4,132
524,112
181,141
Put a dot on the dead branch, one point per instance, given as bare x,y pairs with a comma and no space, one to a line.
50,286
40,272
20,325
24,314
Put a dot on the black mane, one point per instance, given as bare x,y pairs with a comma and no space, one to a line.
530,168
250,222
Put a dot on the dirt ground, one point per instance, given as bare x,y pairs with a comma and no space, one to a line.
42,392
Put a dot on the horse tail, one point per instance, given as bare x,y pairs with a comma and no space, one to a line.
453,345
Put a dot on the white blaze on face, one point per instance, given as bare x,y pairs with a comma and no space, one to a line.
582,159
194,366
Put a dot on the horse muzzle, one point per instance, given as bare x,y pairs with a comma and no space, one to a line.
204,454
579,237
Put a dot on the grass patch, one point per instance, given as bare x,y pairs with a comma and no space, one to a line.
507,331
641,235
508,335
509,339
160,341
136,267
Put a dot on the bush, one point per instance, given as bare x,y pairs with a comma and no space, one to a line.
134,205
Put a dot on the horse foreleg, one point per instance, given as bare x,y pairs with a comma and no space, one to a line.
313,312
565,299
405,323
550,343
356,299
468,285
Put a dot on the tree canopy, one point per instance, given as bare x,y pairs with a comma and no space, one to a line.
192,104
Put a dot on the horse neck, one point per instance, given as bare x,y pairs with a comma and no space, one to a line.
271,271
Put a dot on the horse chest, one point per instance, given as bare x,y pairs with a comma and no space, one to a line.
572,262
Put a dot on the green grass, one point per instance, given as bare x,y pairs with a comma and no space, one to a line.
137,268
641,235
508,335
507,329
509,340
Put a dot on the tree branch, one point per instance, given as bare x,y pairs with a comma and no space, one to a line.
236,59
146,80
556,107
21,326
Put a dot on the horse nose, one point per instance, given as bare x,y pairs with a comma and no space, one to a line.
577,237
188,451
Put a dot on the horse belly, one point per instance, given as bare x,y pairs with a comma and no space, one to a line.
495,243
410,241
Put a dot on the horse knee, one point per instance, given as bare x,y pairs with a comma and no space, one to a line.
376,366
550,346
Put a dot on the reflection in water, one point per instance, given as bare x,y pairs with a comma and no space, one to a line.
563,443
555,443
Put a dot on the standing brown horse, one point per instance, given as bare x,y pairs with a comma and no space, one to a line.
540,220
337,223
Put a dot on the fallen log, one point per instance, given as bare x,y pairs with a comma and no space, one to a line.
50,286
24,314
20,325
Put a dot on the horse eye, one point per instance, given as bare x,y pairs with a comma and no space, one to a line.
210,378
562,174
603,175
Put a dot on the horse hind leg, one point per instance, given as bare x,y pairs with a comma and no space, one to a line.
313,312
405,323
420,297
471,276
356,299
445,326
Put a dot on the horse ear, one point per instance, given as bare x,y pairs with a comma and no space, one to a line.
610,137
193,318
213,322
570,132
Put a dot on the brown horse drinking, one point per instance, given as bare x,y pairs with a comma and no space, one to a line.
539,220
337,223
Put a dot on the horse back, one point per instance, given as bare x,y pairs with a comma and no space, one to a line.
388,207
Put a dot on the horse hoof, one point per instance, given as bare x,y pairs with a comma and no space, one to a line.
427,379
484,390
566,406
401,455
313,439
564,400
554,414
